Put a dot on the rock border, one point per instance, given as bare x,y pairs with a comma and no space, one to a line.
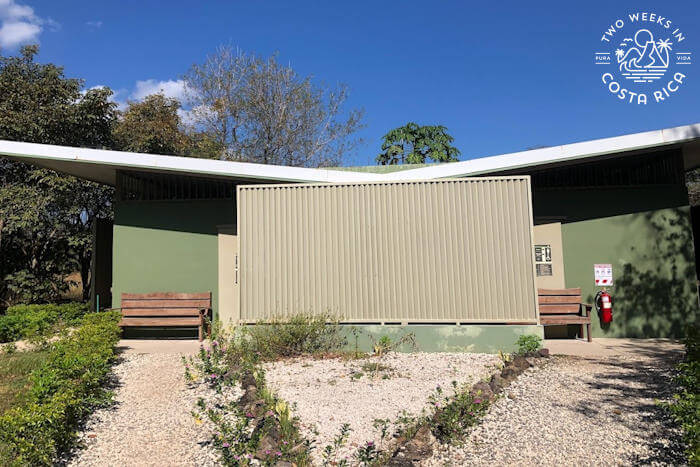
414,449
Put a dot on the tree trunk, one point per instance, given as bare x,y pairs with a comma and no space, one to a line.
85,260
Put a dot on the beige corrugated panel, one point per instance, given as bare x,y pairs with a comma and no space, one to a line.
418,251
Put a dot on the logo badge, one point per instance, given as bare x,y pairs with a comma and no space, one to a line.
643,58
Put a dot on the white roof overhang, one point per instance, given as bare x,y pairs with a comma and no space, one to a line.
101,165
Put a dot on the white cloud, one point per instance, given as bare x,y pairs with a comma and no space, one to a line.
94,24
20,25
169,88
14,34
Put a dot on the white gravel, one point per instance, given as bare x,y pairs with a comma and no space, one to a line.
577,411
326,396
150,423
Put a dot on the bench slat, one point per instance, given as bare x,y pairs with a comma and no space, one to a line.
559,309
575,291
166,304
165,295
562,319
160,312
560,299
159,322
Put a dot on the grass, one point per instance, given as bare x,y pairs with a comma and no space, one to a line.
15,372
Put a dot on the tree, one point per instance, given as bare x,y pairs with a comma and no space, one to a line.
259,110
47,217
414,144
151,126
154,126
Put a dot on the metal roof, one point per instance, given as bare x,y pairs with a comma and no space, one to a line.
101,165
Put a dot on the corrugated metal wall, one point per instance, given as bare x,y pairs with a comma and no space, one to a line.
418,251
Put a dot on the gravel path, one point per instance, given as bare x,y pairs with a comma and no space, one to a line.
150,422
326,395
577,411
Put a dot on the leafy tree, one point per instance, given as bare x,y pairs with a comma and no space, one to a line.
259,110
415,144
46,218
151,126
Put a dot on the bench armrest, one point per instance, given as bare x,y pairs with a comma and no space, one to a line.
588,308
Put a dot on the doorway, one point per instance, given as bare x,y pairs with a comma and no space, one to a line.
229,275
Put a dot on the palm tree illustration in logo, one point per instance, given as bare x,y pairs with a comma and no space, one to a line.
646,60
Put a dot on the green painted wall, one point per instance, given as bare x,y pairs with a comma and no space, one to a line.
482,338
168,246
646,234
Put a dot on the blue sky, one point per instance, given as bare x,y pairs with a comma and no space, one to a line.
501,76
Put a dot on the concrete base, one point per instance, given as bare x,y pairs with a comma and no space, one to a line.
482,338
611,347
158,346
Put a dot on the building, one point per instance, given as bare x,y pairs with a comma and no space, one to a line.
547,216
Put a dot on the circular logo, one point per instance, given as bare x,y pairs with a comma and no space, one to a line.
643,58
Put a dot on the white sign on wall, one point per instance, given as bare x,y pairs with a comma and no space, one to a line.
603,274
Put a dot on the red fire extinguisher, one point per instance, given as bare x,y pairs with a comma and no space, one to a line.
603,303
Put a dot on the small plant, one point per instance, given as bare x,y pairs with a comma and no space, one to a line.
330,451
386,344
381,424
454,416
504,357
528,343
10,348
367,454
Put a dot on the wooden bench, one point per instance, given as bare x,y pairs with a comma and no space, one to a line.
166,309
564,306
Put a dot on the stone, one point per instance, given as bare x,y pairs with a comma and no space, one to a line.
509,373
520,363
482,390
269,443
283,464
497,383
543,352
418,448
248,380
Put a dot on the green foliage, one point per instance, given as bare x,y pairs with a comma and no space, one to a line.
685,407
154,126
300,334
415,144
29,321
238,434
454,416
46,218
528,343
15,372
64,390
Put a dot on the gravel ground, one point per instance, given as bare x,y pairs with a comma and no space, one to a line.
326,395
577,411
150,422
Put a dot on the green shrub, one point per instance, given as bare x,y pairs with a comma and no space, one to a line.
28,321
296,335
64,390
455,415
685,407
528,343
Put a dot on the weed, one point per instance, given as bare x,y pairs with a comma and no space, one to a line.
330,451
528,343
454,416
